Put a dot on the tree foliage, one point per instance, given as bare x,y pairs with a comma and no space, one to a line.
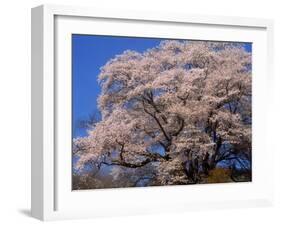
172,114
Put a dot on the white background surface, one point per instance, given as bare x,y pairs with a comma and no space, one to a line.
15,112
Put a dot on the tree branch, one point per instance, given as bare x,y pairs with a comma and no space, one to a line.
127,164
158,123
181,122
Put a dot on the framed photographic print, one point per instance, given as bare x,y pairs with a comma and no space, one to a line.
142,113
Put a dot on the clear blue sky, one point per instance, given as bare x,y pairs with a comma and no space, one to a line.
89,53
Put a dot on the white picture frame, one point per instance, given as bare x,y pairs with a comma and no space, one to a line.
52,197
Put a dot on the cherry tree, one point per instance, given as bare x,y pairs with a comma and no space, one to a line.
172,113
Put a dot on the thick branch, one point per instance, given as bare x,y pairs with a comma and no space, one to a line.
181,126
153,115
127,164
121,151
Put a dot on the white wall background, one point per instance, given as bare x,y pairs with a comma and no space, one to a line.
15,111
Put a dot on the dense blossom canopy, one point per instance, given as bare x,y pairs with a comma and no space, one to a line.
172,112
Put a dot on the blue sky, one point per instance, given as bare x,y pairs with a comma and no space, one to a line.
89,53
